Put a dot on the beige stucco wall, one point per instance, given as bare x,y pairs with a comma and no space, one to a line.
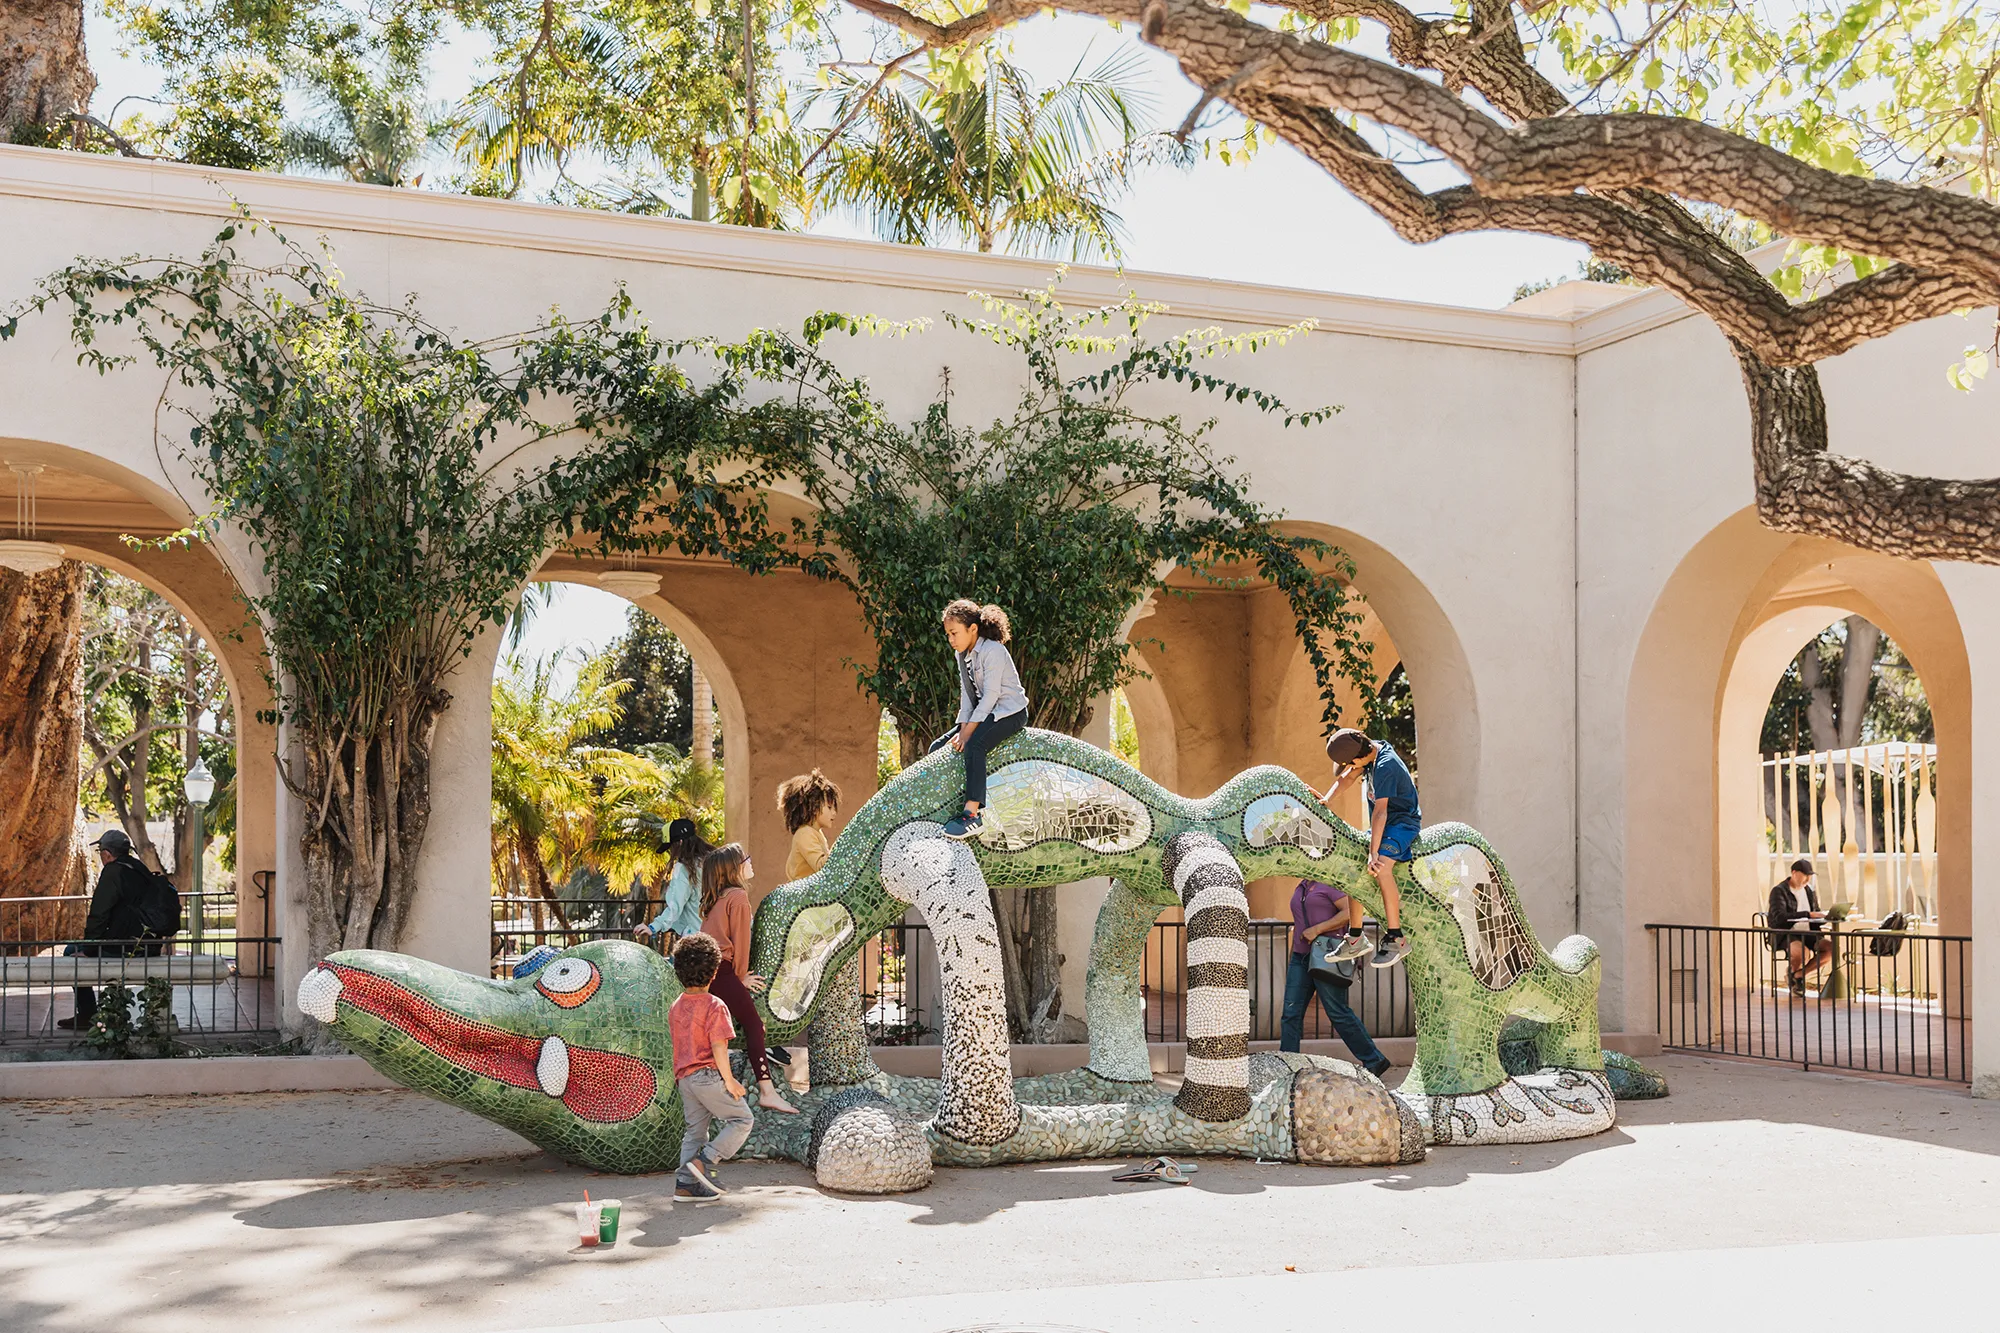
1547,514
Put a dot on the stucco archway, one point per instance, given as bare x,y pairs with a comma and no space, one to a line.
1734,611
104,514
776,649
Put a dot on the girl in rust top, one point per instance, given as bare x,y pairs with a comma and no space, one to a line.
725,917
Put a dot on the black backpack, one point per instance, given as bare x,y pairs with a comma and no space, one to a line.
1884,947
158,906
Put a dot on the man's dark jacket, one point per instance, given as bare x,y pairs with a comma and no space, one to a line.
114,907
1785,915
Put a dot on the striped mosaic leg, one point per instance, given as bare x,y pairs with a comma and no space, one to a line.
1216,1085
939,875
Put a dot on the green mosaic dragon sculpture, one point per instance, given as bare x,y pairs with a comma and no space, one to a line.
576,1056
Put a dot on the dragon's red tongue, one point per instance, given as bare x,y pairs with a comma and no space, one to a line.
602,1086
606,1086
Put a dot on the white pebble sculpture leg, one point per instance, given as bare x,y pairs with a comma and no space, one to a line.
940,877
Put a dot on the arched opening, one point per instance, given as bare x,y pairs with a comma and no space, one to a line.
172,669
1739,608
604,734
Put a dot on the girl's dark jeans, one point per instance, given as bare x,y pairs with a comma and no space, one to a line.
983,738
735,996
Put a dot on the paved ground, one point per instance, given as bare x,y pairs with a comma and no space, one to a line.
384,1210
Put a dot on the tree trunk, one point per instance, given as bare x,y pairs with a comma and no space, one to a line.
41,729
184,830
1044,969
1857,677
126,786
44,74
372,799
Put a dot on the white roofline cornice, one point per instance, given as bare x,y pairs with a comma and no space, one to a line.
342,206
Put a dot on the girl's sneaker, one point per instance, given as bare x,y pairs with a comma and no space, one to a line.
1390,952
962,825
1352,946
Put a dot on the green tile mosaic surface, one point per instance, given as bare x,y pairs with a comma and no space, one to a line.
577,1057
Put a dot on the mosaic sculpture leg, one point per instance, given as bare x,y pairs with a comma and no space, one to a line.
939,876
1216,1084
1114,1002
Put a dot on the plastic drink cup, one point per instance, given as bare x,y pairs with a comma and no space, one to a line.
586,1224
607,1221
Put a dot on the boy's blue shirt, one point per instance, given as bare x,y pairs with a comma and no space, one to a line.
1389,780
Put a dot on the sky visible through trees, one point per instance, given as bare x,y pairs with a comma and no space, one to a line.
1311,233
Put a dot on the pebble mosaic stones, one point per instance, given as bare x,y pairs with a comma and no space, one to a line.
1215,1085
862,1143
1339,1119
940,877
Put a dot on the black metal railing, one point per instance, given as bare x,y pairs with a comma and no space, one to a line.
1885,1002
1381,996
210,985
522,924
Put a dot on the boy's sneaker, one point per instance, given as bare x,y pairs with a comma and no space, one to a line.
1352,946
962,825
696,1183
1391,951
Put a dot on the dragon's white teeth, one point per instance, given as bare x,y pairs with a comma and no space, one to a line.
318,989
552,1066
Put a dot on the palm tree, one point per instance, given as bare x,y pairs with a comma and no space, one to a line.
370,125
563,805
976,152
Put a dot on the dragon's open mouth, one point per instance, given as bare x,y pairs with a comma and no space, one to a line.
602,1086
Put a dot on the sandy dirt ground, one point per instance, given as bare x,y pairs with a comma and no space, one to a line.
384,1210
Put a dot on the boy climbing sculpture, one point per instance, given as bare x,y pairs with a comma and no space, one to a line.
1394,825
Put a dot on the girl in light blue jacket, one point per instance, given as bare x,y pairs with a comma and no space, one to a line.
680,914
991,703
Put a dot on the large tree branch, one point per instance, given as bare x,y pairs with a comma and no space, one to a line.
1802,487
1484,55
1613,182
1927,228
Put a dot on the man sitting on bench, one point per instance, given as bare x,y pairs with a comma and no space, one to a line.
117,917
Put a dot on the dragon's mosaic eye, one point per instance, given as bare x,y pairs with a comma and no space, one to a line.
568,981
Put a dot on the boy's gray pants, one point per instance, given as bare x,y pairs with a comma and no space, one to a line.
704,1099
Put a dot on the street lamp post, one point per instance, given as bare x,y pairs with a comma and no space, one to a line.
199,786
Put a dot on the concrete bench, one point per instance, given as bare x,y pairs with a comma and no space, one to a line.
185,969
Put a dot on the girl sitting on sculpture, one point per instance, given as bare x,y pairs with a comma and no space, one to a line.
992,706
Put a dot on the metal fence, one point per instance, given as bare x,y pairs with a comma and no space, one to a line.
522,924
1886,1002
900,993
208,986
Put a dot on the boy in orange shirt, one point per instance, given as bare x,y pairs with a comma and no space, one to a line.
700,1027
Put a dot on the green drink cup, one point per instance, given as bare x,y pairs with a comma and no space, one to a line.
607,1221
